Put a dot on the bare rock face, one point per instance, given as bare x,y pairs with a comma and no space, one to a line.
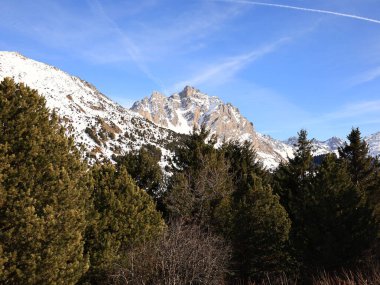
190,108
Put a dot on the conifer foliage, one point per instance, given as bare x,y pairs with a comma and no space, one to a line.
260,224
260,233
143,166
339,224
43,199
201,184
331,222
360,164
123,215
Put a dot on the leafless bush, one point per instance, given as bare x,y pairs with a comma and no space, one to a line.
183,255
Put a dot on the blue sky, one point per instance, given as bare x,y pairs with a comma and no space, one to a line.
285,69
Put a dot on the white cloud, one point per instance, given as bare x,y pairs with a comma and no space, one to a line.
356,109
365,77
357,113
220,72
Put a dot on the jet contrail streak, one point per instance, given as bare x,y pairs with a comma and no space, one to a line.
303,9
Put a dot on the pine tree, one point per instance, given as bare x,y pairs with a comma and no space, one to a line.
292,182
292,179
260,233
338,223
201,186
43,199
360,164
192,150
144,168
124,215
364,171
243,166
374,195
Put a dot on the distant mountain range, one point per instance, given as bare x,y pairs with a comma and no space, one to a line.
102,127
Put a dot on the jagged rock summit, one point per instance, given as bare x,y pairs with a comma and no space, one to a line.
190,108
99,125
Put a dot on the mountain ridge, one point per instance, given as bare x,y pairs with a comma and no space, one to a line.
103,127
99,125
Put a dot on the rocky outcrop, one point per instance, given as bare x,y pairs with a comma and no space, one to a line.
190,108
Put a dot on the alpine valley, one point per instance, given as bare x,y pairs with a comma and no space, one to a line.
102,127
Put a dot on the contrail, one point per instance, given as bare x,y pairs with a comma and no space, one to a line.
303,9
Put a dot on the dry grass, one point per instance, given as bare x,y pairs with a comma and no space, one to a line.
370,276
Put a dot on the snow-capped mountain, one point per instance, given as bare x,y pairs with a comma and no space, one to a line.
191,108
103,128
324,147
320,147
98,124
373,144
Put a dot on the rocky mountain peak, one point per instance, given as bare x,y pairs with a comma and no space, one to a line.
334,143
189,91
157,95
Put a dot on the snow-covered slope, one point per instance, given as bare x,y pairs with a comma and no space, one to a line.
98,124
277,151
374,144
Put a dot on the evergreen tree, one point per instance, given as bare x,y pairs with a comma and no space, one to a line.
364,172
338,223
123,215
258,224
292,182
192,150
43,199
201,186
374,195
293,177
360,164
144,168
243,166
260,233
